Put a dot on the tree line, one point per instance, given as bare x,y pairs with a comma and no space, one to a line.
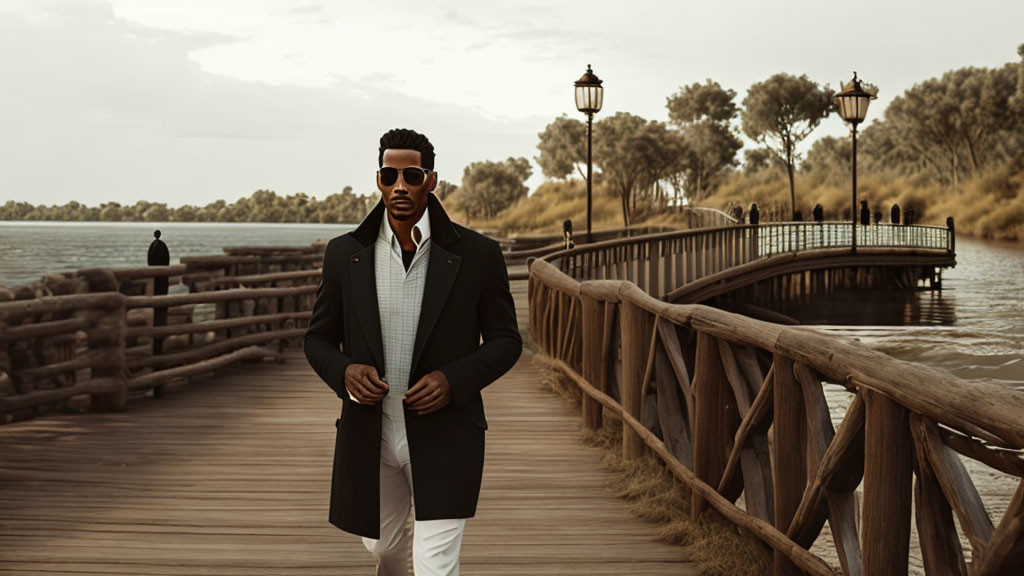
941,130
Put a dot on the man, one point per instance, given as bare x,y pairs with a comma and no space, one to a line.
408,295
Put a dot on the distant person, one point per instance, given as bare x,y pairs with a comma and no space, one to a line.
158,254
412,368
737,213
909,216
818,213
878,216
894,214
755,215
865,213
798,216
567,234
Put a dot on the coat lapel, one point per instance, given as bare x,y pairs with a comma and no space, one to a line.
363,284
442,268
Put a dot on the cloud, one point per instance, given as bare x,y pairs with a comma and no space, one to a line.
107,110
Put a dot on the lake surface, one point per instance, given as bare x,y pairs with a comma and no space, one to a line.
29,250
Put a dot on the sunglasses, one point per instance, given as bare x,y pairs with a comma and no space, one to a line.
413,175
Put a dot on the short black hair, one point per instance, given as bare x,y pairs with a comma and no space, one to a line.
405,139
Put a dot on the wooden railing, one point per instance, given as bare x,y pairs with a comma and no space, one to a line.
108,334
735,407
661,262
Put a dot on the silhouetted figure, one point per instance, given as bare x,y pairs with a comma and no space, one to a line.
737,213
895,214
909,216
567,234
798,216
878,216
865,213
818,213
158,254
755,215
846,213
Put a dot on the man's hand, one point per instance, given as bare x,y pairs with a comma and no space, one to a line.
364,385
431,393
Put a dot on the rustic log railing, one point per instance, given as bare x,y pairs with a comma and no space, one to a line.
98,338
661,262
735,407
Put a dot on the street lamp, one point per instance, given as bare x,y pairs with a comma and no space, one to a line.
853,103
589,97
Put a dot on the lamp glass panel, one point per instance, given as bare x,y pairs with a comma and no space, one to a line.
599,98
580,95
862,107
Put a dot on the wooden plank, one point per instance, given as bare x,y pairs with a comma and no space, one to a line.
715,420
887,486
1005,552
956,485
670,339
675,429
789,461
842,520
941,552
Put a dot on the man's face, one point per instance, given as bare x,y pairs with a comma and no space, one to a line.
405,201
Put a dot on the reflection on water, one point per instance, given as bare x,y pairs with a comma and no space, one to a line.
974,327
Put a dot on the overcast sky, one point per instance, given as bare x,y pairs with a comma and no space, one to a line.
188,101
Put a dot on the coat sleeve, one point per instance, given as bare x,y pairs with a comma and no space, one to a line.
327,327
502,344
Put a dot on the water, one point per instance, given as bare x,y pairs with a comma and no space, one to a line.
29,250
973,327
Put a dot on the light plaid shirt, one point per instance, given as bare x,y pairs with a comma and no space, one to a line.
399,295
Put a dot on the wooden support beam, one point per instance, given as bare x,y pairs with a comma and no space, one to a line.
887,486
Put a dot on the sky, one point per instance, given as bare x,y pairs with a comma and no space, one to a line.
192,101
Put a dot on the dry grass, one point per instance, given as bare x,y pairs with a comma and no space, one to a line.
990,205
718,547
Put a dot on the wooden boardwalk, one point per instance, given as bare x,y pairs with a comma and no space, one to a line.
232,476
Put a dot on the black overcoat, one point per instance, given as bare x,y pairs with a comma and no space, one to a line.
466,297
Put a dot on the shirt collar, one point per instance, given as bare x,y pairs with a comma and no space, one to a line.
392,240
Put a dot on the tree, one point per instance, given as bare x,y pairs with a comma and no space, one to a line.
703,113
635,155
444,189
828,160
758,159
780,112
490,187
563,147
959,123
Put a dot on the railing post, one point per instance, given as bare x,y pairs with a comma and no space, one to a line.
593,357
789,454
888,473
107,335
950,236
715,418
636,326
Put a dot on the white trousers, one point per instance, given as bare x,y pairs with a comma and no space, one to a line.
435,543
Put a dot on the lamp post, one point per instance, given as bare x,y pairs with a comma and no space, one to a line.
589,97
853,102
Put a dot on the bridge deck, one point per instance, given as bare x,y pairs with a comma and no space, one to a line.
232,476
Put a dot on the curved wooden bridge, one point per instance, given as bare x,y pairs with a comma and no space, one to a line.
229,474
